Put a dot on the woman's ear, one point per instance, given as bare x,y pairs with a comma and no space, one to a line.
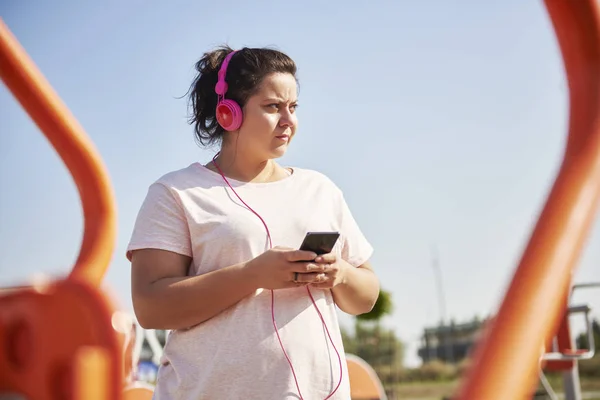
224,116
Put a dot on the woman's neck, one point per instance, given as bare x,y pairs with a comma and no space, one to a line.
243,169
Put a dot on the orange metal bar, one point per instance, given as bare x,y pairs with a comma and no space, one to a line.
564,344
74,147
59,338
506,360
58,342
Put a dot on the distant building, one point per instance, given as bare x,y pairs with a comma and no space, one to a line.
449,343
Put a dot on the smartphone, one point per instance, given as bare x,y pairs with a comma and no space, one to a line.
319,242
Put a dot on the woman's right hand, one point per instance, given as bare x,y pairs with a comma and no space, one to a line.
281,268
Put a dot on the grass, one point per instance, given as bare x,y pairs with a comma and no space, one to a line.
423,390
439,390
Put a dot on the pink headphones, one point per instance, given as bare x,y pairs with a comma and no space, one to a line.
229,113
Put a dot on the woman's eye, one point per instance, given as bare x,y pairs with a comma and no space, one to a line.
276,106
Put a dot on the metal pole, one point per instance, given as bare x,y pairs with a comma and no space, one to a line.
572,385
442,304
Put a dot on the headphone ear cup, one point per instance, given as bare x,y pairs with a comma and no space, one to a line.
229,115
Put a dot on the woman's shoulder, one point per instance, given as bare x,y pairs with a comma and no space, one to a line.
193,175
306,175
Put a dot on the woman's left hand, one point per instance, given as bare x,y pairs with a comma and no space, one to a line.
335,271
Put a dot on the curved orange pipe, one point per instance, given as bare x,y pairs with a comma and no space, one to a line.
505,363
506,360
44,106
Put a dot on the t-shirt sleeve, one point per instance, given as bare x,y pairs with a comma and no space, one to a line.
161,223
356,249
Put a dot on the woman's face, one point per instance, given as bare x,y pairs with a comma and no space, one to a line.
270,119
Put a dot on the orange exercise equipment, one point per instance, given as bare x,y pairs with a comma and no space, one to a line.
364,382
506,362
58,339
85,361
76,150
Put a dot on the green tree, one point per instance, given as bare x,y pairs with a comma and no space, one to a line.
383,306
373,342
350,344
582,339
591,367
376,345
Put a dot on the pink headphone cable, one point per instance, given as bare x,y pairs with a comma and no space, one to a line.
273,298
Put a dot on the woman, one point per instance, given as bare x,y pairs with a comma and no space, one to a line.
215,254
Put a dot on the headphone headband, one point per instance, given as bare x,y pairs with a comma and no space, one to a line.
221,87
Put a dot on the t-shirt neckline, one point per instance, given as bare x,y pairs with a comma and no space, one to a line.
235,182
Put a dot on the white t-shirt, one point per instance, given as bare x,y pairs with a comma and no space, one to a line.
236,354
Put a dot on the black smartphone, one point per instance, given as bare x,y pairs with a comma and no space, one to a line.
319,242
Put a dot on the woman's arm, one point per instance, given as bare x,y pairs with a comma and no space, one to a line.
358,290
165,298
355,289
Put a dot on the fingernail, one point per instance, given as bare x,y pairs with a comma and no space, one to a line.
319,259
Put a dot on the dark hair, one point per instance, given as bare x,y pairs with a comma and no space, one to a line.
246,71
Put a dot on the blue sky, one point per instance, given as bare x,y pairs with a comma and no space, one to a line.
443,123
